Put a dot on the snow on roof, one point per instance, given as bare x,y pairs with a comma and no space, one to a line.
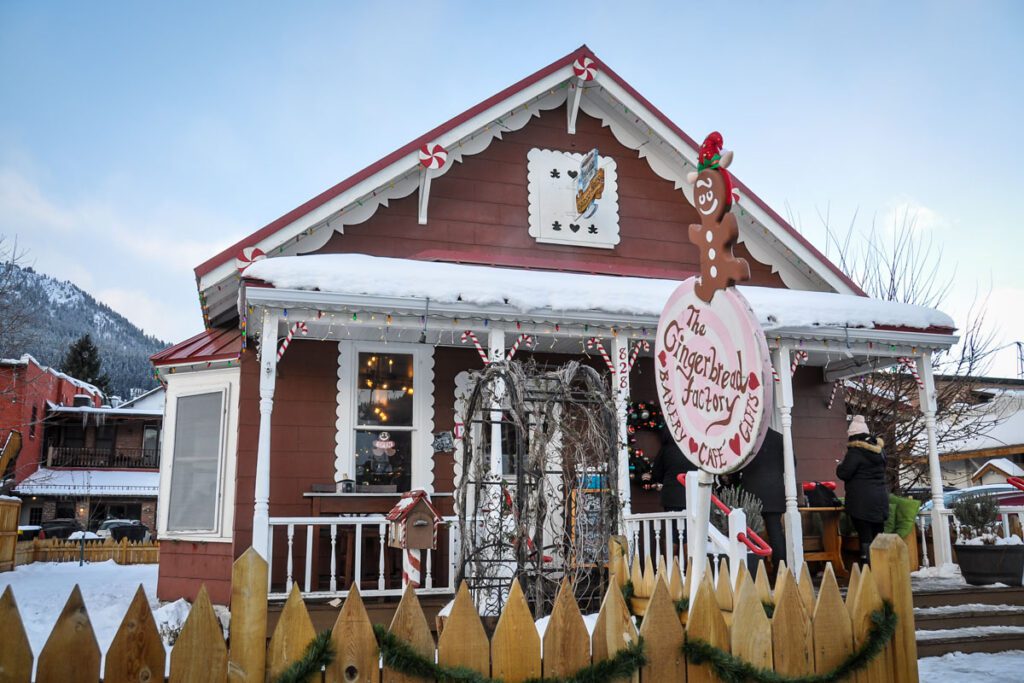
1005,415
1011,469
48,482
152,399
27,358
532,290
105,410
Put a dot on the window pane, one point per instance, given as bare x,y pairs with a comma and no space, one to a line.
193,499
385,389
384,458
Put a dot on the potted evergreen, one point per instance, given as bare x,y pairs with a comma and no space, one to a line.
984,556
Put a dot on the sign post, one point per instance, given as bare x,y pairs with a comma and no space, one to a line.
711,354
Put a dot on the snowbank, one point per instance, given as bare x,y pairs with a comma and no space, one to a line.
978,667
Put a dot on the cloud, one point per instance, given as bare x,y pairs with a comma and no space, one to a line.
908,211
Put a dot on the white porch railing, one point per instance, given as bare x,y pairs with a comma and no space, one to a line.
924,522
327,555
662,535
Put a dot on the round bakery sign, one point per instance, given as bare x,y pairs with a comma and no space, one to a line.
714,372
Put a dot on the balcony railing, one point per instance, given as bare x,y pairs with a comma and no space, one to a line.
117,458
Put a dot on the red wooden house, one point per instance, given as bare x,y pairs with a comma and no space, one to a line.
471,227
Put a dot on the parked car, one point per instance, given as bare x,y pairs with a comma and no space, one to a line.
1004,493
132,529
28,532
61,527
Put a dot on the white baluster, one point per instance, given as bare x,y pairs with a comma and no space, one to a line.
288,572
681,530
646,525
309,555
380,560
334,558
270,556
656,551
429,583
358,567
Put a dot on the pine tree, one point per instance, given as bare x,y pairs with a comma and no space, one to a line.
82,361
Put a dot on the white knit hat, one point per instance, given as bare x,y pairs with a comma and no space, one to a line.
858,425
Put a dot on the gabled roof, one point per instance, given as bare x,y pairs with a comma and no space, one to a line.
1007,467
376,184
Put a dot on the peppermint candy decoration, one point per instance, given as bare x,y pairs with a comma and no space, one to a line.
433,157
247,257
584,68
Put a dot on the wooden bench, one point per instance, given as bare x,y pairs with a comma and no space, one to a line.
828,546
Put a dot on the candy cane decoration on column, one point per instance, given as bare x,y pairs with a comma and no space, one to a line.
909,364
832,395
595,343
468,334
411,568
300,327
523,338
636,351
775,374
798,358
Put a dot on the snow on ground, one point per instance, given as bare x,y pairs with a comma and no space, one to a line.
42,588
972,668
969,632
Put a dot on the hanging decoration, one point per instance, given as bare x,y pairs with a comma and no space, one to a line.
248,256
521,339
433,156
299,327
595,343
910,365
585,68
641,416
798,358
832,394
642,344
469,334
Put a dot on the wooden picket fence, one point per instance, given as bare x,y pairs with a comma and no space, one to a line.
807,633
58,550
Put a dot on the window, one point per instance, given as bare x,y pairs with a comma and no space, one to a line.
32,423
105,438
386,397
196,462
151,439
35,515
385,420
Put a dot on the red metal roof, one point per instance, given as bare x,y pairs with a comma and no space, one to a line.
214,344
582,51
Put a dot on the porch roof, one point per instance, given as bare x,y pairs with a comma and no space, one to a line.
50,482
509,293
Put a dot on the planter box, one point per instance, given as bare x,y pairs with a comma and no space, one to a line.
986,564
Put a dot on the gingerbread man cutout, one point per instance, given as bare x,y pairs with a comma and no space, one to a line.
718,231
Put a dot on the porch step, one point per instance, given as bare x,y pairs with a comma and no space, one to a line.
1013,595
936,643
967,616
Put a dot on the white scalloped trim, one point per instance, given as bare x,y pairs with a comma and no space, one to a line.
424,477
341,430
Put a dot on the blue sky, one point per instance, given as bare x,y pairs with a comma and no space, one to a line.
137,139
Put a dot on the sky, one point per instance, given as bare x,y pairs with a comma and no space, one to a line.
138,139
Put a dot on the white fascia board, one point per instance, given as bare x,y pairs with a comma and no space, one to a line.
690,155
835,338
388,173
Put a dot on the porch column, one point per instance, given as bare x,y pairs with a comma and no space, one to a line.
496,352
940,521
784,403
268,375
620,351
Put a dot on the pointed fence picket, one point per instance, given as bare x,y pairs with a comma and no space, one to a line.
59,550
808,631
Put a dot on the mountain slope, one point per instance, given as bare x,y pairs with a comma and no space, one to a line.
62,313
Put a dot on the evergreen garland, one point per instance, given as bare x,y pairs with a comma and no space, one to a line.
402,658
731,669
769,608
318,654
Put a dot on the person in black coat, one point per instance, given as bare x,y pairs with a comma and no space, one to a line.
764,477
863,470
669,464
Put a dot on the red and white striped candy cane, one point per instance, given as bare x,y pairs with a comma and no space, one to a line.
411,568
909,364
468,334
521,339
832,394
775,375
300,327
798,358
595,343
636,351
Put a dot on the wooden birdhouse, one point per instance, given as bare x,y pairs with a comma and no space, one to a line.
413,522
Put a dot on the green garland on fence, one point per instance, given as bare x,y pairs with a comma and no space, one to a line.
318,654
732,669
401,657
